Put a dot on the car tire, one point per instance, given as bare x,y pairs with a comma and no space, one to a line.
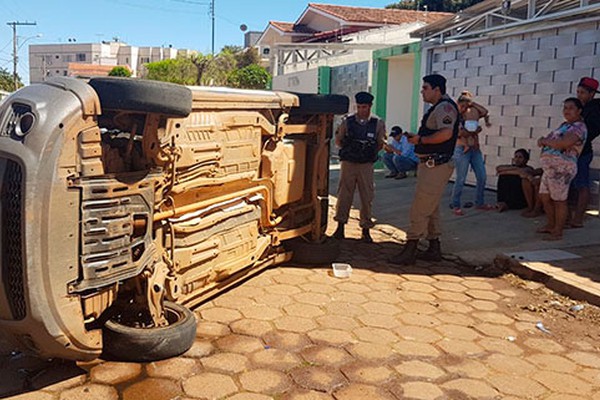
143,96
308,253
321,104
125,343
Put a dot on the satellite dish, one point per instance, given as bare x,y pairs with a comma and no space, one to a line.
243,28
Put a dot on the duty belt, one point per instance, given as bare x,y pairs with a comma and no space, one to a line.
432,160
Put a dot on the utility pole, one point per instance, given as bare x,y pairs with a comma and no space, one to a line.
212,17
14,25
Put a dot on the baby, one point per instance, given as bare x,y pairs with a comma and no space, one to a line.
471,112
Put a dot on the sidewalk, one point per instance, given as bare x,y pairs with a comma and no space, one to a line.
509,240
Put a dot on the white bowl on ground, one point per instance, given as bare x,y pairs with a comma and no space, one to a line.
341,270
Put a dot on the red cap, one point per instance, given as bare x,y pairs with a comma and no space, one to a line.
589,83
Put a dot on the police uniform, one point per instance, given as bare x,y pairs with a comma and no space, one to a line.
434,170
360,142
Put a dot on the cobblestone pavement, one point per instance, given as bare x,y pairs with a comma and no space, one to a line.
437,331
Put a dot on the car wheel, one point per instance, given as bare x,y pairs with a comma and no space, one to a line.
310,253
128,94
143,344
321,104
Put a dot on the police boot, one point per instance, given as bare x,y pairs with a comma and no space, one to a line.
366,236
339,232
408,255
433,253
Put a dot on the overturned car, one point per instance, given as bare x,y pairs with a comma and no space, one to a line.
124,203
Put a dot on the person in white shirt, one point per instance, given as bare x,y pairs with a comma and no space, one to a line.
399,156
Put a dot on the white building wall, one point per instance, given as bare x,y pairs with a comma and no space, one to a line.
49,60
400,89
522,79
303,82
53,60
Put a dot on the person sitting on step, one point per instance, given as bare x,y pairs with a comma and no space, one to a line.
518,185
399,156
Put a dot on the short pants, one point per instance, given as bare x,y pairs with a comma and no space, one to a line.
557,176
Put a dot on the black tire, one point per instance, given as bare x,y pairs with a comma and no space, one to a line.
308,253
125,343
321,104
143,96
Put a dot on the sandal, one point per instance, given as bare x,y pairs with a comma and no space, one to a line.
458,212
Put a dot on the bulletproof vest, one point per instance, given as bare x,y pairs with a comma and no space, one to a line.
360,143
446,147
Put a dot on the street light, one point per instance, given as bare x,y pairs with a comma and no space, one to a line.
16,53
39,35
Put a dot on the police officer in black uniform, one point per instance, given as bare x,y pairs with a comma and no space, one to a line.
434,145
360,137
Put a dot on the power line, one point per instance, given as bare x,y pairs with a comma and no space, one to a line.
148,7
197,3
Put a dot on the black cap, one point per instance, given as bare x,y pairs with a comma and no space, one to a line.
363,98
395,131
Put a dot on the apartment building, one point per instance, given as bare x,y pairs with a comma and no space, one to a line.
48,60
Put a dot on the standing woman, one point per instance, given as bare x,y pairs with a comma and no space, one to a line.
467,152
560,150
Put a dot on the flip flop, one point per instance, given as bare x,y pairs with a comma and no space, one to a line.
458,212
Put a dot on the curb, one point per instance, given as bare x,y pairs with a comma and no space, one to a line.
561,284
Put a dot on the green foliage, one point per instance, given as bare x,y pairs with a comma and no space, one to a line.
220,68
247,57
233,66
251,77
434,5
179,70
120,71
6,81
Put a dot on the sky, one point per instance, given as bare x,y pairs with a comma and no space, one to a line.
180,23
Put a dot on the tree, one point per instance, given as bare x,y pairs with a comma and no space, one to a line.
434,5
251,77
247,57
179,70
233,66
6,81
201,63
120,71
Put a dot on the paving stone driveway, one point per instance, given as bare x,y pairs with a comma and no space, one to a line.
427,332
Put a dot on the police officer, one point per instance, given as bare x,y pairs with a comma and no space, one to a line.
434,144
360,137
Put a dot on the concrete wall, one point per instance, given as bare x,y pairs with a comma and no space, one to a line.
522,79
350,79
400,89
303,82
